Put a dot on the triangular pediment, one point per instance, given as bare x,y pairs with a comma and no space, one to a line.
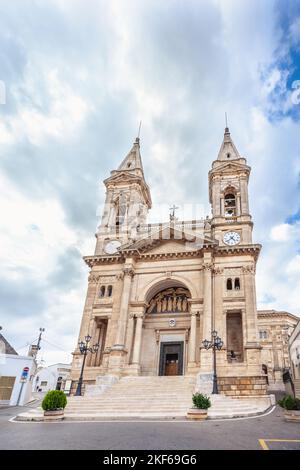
230,167
122,177
168,239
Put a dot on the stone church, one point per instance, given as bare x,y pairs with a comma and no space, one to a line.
157,291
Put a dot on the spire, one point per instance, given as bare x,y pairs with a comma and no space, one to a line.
133,161
228,150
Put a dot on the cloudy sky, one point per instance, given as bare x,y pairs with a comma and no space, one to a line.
77,77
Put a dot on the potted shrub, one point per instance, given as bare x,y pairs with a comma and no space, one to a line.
54,404
291,408
201,405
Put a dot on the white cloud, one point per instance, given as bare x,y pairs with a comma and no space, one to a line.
80,83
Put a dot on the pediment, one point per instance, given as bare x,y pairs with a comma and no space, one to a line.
122,177
168,240
229,167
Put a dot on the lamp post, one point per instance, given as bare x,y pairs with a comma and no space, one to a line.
84,348
216,344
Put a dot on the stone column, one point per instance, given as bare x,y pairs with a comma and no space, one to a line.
250,300
252,346
85,323
244,196
238,204
206,357
128,274
219,320
222,206
138,339
129,337
193,338
99,340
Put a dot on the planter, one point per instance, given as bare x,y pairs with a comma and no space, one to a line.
196,414
292,415
54,415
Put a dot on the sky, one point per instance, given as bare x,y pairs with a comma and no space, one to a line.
76,78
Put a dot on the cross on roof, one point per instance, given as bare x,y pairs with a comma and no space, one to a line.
172,213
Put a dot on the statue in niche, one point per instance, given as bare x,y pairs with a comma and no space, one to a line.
159,304
153,305
170,300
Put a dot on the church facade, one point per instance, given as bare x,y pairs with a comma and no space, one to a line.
157,291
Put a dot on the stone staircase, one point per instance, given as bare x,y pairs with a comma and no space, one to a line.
136,398
150,398
227,407
297,387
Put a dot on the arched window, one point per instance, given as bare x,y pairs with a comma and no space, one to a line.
102,291
237,284
230,204
109,291
229,284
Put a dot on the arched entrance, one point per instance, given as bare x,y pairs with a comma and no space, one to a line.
167,322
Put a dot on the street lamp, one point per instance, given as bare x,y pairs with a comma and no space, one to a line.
84,348
216,344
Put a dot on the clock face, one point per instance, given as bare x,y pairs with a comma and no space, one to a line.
112,247
232,238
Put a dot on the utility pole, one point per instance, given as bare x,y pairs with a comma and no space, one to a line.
39,340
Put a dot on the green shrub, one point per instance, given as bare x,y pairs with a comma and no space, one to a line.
289,403
201,401
54,400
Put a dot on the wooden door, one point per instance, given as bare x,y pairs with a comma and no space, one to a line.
172,362
6,387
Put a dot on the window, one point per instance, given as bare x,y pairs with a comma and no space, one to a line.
229,284
228,155
237,284
230,205
102,291
43,384
109,291
263,334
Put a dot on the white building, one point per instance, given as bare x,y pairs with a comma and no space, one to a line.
294,348
53,377
16,374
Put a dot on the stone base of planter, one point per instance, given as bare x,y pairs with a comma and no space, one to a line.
292,415
54,415
196,414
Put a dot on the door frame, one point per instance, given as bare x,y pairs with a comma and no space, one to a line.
162,356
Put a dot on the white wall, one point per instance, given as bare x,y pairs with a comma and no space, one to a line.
50,375
12,365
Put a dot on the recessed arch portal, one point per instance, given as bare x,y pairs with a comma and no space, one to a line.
173,299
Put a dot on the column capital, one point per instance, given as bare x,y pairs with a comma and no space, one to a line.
94,278
139,315
207,267
194,313
128,271
248,269
218,270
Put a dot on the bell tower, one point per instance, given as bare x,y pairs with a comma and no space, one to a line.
228,194
127,202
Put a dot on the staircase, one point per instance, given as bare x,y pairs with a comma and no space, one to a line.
150,398
136,398
297,387
227,407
